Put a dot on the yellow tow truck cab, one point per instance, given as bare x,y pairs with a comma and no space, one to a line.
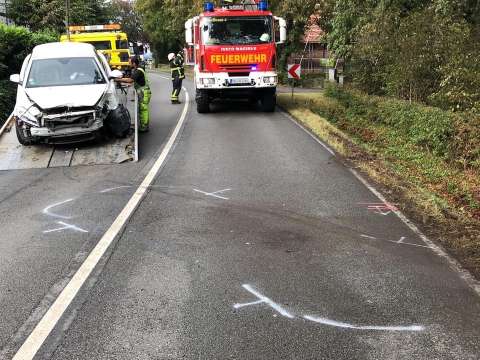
108,39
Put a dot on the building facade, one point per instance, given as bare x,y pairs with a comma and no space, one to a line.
4,12
315,55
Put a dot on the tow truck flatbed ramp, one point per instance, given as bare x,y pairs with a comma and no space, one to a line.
14,156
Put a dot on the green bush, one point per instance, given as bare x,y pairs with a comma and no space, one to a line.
451,136
7,99
17,43
465,144
428,127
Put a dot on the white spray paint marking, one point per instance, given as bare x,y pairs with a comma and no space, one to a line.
325,146
214,194
454,264
409,244
368,237
398,242
47,210
319,320
30,347
380,208
65,226
334,323
263,300
115,188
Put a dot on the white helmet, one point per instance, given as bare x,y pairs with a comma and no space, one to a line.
265,38
171,56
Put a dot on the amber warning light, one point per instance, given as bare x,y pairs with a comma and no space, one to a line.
95,27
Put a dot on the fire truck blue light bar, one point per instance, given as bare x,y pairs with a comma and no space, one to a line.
263,5
209,6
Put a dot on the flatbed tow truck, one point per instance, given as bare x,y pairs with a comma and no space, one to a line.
14,156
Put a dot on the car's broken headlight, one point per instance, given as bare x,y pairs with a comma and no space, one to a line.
31,115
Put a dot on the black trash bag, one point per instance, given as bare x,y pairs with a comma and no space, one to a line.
118,122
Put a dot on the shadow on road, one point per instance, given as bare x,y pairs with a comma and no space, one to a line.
237,106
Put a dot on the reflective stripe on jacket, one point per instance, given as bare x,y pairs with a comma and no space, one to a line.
147,83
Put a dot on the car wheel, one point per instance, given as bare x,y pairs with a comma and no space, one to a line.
24,136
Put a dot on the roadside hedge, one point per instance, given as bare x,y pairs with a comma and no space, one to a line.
453,136
17,42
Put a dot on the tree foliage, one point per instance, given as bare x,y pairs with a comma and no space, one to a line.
124,13
164,21
38,15
423,50
17,42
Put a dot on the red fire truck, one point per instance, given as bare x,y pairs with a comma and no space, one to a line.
235,52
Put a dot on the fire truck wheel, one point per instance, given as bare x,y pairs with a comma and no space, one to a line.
203,104
269,102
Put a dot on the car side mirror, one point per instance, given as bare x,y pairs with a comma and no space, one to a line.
282,24
189,32
116,74
15,78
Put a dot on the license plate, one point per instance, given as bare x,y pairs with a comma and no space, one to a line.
239,81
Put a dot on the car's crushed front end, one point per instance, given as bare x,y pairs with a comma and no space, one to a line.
68,125
64,123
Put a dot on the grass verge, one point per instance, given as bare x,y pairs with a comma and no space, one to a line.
418,169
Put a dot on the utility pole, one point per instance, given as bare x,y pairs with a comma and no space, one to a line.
67,17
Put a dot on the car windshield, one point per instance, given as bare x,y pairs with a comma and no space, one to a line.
64,72
236,30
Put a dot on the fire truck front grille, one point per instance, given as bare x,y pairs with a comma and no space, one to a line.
239,74
238,68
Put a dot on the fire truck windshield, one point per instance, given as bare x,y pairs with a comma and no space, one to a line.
251,30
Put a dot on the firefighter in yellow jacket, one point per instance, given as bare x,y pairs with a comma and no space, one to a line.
178,74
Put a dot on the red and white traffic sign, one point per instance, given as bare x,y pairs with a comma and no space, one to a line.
294,71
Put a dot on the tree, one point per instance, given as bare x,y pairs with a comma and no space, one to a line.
164,21
124,13
422,50
39,15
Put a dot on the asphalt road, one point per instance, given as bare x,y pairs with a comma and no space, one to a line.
254,242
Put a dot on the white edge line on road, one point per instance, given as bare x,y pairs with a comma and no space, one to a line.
38,336
288,116
454,264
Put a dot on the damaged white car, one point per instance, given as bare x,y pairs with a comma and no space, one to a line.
66,94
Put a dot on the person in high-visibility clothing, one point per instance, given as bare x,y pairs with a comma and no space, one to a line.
178,74
140,81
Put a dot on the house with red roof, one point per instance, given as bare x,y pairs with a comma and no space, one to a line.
315,54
